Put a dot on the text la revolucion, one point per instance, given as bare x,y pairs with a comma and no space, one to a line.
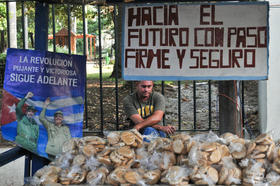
46,61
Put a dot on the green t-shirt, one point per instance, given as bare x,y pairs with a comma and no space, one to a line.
27,129
57,135
132,105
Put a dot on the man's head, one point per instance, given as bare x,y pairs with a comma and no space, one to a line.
30,111
144,89
58,118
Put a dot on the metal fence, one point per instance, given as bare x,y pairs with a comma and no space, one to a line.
191,105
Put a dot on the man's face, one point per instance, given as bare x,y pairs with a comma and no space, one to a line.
29,114
58,118
144,89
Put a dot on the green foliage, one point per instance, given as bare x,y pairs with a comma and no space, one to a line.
106,17
61,21
3,20
80,47
3,58
58,48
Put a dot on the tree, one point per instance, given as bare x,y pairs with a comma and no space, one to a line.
3,23
12,24
117,45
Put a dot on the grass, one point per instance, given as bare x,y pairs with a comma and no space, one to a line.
96,76
105,77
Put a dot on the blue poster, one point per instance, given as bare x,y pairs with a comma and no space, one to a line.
43,99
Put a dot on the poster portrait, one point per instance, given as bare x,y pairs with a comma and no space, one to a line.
43,99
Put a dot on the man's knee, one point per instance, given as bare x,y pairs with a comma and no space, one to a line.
150,131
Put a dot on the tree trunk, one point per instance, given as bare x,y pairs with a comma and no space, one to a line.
31,39
74,30
13,24
26,29
118,31
86,32
3,43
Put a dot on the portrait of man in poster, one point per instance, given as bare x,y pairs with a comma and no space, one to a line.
43,101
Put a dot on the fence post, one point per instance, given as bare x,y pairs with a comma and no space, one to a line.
229,114
41,43
41,26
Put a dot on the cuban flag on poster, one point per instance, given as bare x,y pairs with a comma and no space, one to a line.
43,99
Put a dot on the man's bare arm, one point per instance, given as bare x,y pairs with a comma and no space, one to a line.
167,129
152,120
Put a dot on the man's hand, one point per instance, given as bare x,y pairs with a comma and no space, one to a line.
138,126
168,129
47,102
29,95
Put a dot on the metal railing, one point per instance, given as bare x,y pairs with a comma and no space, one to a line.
99,107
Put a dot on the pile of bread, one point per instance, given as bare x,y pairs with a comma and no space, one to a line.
123,158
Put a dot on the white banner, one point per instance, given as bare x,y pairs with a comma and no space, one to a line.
227,41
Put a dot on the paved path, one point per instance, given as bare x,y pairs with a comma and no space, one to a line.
12,174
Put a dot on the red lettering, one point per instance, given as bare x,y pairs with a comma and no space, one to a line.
213,21
127,56
247,37
209,42
214,58
165,15
186,36
164,59
236,54
146,42
260,31
154,30
252,53
214,63
208,37
231,31
163,39
204,14
222,61
133,17
173,15
253,36
150,15
146,16
241,38
130,35
219,37
202,58
147,56
210,15
151,55
140,53
172,32
194,57
196,30
181,56
155,15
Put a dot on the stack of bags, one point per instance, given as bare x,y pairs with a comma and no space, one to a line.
124,158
